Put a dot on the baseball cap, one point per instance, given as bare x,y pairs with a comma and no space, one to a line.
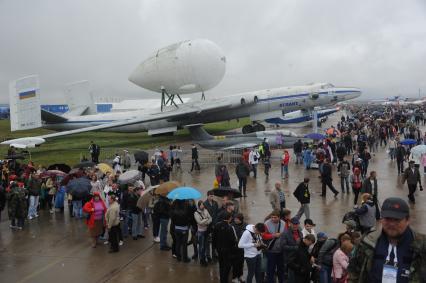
395,208
309,221
321,235
295,220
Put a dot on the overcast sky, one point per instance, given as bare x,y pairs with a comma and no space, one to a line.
379,46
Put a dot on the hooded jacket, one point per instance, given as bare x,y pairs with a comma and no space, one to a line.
248,241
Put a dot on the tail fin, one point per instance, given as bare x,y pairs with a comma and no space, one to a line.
24,102
79,99
198,133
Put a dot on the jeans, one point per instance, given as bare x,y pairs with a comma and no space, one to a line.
32,209
164,223
77,206
202,244
343,181
155,225
304,209
254,269
242,185
254,168
125,228
284,170
181,243
137,224
275,262
325,274
299,158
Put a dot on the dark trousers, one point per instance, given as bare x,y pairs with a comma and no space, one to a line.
195,164
19,220
411,191
275,262
225,264
254,269
155,225
181,244
356,194
400,166
242,185
113,236
238,264
328,183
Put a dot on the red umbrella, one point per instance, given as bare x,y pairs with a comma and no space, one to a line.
52,173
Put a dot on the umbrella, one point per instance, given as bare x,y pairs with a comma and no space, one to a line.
79,187
141,157
408,142
59,166
221,192
315,136
74,171
184,193
129,177
418,150
146,197
52,173
85,164
165,188
105,168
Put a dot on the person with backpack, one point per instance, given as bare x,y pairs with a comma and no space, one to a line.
301,262
252,243
366,213
325,259
356,181
303,195
274,228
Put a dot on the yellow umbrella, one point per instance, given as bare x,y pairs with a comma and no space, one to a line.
165,188
105,168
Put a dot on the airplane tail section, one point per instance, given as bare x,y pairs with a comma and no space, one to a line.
24,102
79,99
198,133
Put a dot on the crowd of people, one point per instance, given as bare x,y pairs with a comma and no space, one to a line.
279,248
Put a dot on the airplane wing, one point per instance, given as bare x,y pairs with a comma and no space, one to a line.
241,146
50,117
184,112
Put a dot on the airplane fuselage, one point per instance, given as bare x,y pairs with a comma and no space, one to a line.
285,99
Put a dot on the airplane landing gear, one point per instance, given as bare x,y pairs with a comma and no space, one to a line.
258,128
247,129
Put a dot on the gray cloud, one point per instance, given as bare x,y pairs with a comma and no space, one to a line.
379,46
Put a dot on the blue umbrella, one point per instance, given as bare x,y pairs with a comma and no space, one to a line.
408,142
315,136
184,193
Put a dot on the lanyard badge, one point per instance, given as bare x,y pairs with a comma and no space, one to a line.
390,268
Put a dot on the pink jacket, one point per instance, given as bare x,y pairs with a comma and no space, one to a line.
340,264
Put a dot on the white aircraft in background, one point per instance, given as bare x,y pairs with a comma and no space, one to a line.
249,104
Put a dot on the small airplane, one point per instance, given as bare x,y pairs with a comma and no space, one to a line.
298,116
241,141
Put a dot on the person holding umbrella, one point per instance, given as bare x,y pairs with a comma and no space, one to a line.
96,209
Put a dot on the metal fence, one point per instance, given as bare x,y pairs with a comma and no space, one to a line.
205,156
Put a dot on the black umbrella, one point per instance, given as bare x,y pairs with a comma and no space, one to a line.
141,156
60,166
221,192
79,187
85,164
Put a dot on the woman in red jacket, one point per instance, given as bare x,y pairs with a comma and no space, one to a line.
96,219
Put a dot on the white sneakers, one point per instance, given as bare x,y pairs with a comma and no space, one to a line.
157,239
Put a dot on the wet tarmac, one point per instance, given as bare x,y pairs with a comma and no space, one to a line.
56,248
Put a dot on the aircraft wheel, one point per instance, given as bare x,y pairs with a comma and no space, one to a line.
259,128
247,129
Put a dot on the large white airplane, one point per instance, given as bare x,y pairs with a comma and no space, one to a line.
249,104
190,66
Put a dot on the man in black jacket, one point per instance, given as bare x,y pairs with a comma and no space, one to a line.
303,196
194,153
298,147
226,242
162,211
326,178
242,170
300,264
290,241
400,157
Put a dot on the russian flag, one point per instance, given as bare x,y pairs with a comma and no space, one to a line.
27,94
